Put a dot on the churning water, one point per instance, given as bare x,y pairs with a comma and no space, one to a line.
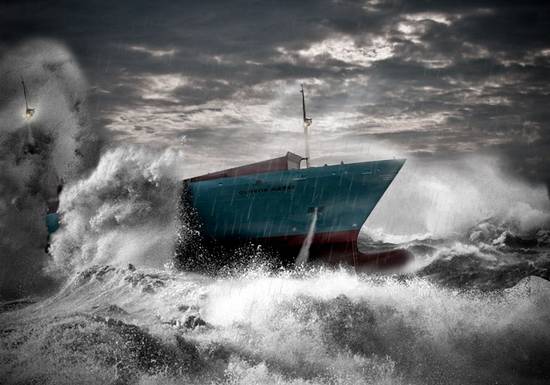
109,307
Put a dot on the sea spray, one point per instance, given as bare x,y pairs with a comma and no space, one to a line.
123,212
444,199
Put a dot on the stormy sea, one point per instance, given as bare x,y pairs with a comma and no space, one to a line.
110,303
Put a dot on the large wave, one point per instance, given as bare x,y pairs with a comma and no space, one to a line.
124,212
126,325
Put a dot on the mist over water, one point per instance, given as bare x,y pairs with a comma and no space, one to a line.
107,305
36,155
446,198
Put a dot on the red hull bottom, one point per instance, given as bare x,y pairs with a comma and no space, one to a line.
339,248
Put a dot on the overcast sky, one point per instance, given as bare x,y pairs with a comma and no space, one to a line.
429,79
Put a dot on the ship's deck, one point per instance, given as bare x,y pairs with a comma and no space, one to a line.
290,161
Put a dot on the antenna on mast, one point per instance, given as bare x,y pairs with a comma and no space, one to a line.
307,123
29,112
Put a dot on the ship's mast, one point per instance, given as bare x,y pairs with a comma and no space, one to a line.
307,123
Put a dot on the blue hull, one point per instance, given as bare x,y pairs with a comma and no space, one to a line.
281,204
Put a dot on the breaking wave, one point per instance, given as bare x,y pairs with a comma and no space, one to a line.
127,325
125,211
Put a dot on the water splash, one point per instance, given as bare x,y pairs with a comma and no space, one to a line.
303,255
123,212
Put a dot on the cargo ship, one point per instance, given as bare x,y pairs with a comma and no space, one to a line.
295,210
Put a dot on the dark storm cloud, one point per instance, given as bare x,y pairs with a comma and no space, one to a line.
457,76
